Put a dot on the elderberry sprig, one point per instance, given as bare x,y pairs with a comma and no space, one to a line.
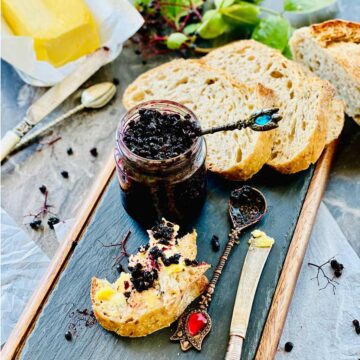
194,24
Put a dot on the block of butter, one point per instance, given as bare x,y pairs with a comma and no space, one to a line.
62,30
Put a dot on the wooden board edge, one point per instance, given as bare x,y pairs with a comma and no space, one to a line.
16,340
292,265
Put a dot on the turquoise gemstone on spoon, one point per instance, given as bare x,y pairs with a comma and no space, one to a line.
262,120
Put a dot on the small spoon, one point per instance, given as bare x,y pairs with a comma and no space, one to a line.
263,120
247,206
94,97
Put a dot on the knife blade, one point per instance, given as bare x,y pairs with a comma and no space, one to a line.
53,98
259,249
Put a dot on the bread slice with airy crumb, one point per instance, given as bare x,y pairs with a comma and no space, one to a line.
310,118
332,51
134,312
215,100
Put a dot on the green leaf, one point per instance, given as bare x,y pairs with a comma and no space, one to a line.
273,31
305,5
174,10
213,25
223,3
287,52
191,28
175,40
241,14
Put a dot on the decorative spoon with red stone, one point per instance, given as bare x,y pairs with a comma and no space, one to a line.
247,206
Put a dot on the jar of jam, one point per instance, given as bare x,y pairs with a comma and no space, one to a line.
174,187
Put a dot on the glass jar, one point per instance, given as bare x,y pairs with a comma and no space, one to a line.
174,188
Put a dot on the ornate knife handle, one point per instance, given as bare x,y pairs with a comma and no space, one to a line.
207,295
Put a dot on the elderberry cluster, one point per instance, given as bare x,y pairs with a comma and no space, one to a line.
142,279
160,136
163,232
337,267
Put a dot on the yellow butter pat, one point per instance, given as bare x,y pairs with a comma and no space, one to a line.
260,239
62,30
105,294
174,268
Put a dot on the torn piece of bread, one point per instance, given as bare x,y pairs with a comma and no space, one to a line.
332,51
215,100
165,278
310,118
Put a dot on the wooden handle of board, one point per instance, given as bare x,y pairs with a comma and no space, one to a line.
234,348
286,285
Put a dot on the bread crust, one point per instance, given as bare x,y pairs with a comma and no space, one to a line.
336,30
338,43
152,321
247,167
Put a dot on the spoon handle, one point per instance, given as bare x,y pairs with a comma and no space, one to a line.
38,133
207,295
270,116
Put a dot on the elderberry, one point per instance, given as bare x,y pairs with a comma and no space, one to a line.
65,174
69,151
160,136
53,221
288,346
68,336
42,189
35,224
215,243
94,152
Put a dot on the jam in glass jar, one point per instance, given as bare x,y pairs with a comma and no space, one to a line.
175,187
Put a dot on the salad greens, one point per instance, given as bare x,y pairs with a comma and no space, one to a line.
199,24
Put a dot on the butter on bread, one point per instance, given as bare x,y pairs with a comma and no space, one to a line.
331,50
132,311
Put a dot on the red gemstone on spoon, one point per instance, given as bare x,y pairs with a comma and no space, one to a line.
196,322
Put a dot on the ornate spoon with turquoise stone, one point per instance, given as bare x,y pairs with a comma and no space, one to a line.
247,206
263,120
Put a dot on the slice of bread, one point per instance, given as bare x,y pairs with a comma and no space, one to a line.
129,310
215,100
307,124
332,51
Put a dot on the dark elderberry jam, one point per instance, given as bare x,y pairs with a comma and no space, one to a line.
161,170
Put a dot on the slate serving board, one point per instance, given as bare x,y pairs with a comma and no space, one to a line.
285,196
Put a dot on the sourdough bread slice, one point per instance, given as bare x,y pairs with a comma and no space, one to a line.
131,311
215,100
304,101
332,51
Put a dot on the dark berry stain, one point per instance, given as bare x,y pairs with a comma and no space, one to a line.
160,136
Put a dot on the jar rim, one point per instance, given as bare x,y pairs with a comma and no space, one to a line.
120,131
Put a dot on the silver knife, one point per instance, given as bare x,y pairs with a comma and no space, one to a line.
53,98
259,249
